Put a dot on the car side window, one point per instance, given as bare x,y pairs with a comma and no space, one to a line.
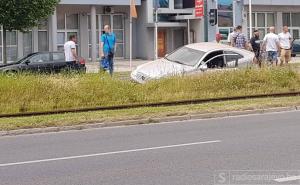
232,58
215,62
58,57
40,58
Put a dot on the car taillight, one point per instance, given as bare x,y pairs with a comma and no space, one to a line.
82,61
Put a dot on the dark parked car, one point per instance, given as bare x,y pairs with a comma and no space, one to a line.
43,62
296,48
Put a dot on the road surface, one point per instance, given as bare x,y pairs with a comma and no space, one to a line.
202,152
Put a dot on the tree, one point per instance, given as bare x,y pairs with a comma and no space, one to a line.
22,15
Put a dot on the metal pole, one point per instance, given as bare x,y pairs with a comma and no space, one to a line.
130,44
156,34
205,21
2,43
189,32
250,17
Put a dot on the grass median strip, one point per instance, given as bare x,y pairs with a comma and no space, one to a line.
30,93
71,119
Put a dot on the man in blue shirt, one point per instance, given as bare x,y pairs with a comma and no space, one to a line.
108,48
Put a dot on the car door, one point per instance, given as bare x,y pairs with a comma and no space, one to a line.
38,63
214,60
232,59
58,61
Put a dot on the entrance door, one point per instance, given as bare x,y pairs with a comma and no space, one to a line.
162,49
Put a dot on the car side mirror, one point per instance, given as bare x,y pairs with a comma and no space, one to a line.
27,62
166,55
203,67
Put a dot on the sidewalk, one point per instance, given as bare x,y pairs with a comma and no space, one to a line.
121,65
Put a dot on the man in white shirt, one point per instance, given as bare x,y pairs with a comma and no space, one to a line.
285,39
70,50
271,45
230,37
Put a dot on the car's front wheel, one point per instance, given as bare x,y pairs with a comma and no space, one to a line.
11,73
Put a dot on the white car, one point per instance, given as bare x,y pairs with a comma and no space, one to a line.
193,58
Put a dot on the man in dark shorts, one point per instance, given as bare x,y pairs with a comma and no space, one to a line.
255,44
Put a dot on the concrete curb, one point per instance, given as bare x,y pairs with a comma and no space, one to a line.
146,121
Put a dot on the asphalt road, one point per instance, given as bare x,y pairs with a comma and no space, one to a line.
203,152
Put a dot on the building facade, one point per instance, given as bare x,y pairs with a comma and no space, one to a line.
176,22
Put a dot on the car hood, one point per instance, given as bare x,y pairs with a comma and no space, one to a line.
9,64
160,68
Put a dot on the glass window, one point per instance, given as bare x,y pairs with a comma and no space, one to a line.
44,57
72,21
270,19
225,19
27,41
224,33
43,41
262,32
225,5
161,3
12,53
296,34
286,19
105,20
232,56
119,35
260,20
58,57
118,22
295,19
11,38
61,38
119,50
60,21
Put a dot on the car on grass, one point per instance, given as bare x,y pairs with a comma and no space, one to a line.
192,59
43,62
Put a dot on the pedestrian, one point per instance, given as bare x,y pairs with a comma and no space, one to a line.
229,39
285,40
70,51
271,46
255,45
239,40
218,38
108,48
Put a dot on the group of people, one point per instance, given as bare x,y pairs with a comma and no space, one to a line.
106,51
274,45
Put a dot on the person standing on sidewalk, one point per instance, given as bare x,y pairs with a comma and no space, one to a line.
108,48
239,40
271,46
255,45
285,40
70,51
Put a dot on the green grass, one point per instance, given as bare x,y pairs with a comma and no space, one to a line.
69,119
27,93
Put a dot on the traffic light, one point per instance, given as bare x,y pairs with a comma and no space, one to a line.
213,17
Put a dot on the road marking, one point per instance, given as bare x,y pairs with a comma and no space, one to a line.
286,179
108,153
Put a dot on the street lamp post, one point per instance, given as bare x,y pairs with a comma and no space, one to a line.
156,33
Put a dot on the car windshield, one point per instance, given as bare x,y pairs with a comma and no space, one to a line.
186,56
25,57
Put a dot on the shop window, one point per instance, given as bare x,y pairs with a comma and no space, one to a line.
296,19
